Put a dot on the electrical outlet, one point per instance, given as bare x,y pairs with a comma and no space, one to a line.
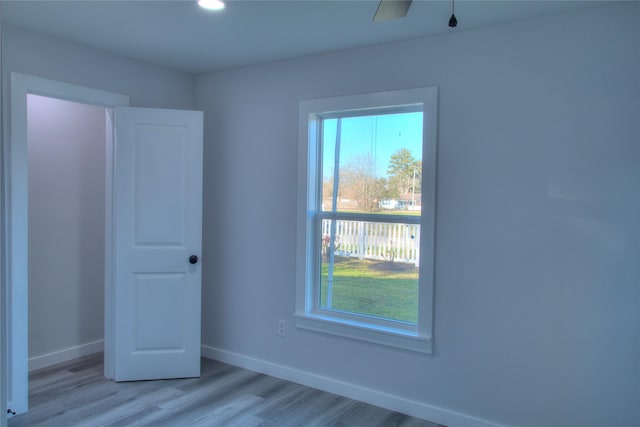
282,327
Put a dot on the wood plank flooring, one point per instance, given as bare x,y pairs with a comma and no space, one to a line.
76,393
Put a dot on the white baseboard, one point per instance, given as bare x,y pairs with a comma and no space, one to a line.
70,353
366,395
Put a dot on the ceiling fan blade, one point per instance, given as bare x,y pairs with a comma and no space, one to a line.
391,9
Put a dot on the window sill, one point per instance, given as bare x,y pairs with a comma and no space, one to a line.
391,337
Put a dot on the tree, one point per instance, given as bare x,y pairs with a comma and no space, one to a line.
382,191
358,181
405,174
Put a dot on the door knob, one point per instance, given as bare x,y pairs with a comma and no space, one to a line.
193,259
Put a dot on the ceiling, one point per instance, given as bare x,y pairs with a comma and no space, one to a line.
182,36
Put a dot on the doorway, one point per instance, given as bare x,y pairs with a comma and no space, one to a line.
15,179
66,171
152,236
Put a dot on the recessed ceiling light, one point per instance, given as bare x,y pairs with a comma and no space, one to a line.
211,4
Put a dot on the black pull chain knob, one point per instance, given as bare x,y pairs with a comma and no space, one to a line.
193,259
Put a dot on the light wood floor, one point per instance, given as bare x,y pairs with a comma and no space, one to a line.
75,393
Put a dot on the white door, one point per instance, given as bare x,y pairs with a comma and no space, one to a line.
156,246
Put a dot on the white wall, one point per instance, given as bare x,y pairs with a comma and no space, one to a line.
43,56
66,146
537,295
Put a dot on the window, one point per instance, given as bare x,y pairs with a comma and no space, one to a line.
366,217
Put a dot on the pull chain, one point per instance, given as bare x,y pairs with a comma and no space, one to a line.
453,22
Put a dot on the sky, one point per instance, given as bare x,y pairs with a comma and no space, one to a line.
380,135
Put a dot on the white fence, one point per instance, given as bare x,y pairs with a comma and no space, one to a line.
374,240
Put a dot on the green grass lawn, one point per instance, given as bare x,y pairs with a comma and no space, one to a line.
375,288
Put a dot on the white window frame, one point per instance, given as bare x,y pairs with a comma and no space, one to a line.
308,314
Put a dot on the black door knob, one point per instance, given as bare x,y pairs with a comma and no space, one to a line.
193,259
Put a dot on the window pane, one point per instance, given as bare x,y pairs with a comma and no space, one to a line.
379,163
370,268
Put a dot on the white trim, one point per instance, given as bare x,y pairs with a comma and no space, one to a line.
109,316
3,335
309,215
364,331
374,397
49,359
16,214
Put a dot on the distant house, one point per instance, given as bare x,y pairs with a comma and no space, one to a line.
388,204
412,203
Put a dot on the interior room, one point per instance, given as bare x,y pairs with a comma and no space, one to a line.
532,311
66,143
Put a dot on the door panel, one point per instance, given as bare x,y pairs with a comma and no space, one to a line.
157,226
159,181
159,310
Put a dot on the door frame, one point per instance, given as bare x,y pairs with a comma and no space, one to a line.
15,194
